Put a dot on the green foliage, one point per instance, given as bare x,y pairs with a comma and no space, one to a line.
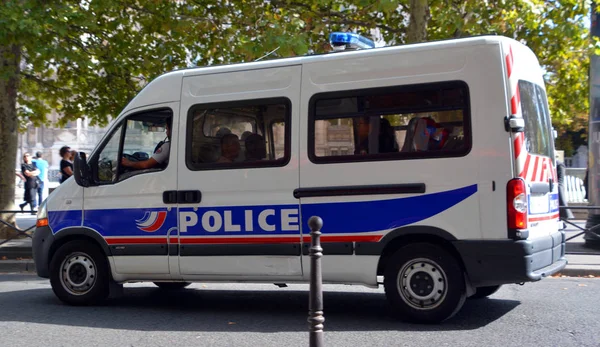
89,58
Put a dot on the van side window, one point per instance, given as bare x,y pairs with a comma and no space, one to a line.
106,167
140,144
406,122
253,133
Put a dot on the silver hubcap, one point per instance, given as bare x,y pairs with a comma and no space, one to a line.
422,284
78,273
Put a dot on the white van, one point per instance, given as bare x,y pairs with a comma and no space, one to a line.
432,166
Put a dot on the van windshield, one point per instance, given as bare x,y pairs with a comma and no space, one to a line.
538,135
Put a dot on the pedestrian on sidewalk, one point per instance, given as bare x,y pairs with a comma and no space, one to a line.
42,165
31,172
66,165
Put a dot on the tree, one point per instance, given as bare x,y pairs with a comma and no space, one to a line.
90,57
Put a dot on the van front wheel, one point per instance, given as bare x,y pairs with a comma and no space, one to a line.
79,273
484,292
424,283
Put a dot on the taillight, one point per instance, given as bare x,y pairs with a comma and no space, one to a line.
516,198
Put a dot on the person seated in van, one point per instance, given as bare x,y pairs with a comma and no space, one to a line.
245,135
387,137
363,133
159,158
255,147
230,148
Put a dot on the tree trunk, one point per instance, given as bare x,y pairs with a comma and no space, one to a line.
419,17
10,57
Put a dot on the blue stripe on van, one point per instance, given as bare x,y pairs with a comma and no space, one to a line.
58,220
356,217
338,217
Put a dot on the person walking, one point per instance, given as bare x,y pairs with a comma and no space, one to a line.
31,172
42,165
66,165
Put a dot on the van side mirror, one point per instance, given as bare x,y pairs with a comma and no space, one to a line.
514,124
81,170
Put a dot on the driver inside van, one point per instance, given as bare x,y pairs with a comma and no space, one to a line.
160,156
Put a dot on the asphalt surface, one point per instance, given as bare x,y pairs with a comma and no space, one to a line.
553,312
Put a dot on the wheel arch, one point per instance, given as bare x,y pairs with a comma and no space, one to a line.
398,238
78,233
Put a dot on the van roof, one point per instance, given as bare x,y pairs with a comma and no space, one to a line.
164,88
307,59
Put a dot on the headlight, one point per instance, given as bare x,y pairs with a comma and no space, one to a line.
42,215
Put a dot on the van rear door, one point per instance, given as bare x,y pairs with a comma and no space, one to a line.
535,161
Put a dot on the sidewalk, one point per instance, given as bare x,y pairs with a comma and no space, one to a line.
16,256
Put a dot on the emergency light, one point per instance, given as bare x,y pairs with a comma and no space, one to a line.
342,41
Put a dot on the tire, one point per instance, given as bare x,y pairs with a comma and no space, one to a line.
424,283
172,285
79,273
483,292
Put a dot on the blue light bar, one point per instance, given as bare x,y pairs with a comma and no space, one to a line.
341,41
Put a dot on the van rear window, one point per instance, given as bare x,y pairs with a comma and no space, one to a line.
392,123
538,135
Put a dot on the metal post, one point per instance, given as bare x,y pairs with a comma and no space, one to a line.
315,301
593,181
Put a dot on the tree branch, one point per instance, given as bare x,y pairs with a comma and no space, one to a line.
42,82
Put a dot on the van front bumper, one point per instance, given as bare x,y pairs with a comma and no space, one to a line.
41,244
495,262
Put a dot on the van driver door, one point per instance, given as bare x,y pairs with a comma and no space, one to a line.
125,205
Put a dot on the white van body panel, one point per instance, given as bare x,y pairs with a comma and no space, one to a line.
65,206
229,193
463,204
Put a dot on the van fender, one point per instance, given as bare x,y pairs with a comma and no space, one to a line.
420,232
84,231
403,236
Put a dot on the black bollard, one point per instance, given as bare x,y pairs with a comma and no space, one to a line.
315,301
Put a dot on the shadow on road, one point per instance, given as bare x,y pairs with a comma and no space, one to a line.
199,309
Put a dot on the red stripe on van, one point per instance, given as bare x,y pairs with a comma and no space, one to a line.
515,100
525,167
357,238
537,219
136,240
518,144
535,168
292,239
509,62
240,240
160,220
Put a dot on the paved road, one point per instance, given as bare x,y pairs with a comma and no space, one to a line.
554,312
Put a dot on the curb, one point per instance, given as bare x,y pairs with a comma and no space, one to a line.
16,252
579,271
17,266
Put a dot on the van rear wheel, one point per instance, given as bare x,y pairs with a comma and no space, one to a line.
79,273
483,292
424,283
172,285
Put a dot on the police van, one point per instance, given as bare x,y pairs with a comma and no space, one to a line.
431,165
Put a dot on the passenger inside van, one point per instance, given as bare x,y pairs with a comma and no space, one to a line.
255,147
363,133
386,138
230,148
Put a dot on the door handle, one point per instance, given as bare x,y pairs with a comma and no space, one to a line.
182,196
170,197
189,196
